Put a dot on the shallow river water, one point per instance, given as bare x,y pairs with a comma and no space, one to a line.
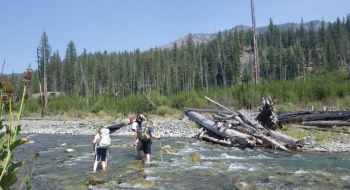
173,166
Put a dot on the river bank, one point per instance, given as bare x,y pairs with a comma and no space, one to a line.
165,127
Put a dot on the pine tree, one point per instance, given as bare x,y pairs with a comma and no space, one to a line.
54,72
271,34
69,69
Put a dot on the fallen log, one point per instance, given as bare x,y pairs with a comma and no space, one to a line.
207,111
215,140
326,123
268,142
226,115
293,142
232,122
246,125
117,125
299,116
247,119
249,131
219,105
219,117
241,138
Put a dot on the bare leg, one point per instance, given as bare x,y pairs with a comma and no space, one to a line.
147,158
139,154
138,147
95,166
103,165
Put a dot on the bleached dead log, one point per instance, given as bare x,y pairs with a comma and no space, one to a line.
219,105
219,117
207,110
247,119
226,115
292,142
241,138
267,141
250,134
232,122
246,125
215,140
245,140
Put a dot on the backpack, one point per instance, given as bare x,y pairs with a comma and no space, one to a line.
143,135
104,141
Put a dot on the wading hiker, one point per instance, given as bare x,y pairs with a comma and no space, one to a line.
145,135
136,142
101,144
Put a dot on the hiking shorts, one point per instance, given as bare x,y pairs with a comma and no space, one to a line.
146,147
101,154
139,146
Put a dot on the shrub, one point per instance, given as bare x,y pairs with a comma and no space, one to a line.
97,107
102,113
166,111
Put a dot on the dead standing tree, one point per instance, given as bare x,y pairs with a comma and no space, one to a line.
41,94
256,60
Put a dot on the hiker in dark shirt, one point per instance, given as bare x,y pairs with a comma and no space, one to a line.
147,146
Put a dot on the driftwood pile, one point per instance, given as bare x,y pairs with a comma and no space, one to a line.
242,129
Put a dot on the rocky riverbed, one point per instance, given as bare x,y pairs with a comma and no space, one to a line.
165,127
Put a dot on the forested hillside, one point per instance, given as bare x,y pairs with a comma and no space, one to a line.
286,54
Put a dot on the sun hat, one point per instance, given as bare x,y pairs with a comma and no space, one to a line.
143,118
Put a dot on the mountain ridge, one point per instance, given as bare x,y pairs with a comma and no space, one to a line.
205,38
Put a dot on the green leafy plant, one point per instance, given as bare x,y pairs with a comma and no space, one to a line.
10,139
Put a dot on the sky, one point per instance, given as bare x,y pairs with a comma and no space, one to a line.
127,25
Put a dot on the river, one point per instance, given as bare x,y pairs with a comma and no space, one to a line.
173,166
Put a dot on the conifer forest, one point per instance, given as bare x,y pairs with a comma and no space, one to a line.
310,62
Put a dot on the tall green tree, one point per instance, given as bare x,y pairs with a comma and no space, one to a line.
54,72
271,34
69,69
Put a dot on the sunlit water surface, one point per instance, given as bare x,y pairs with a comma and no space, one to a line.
219,168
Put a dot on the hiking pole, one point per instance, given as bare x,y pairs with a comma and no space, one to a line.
106,158
161,151
109,154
